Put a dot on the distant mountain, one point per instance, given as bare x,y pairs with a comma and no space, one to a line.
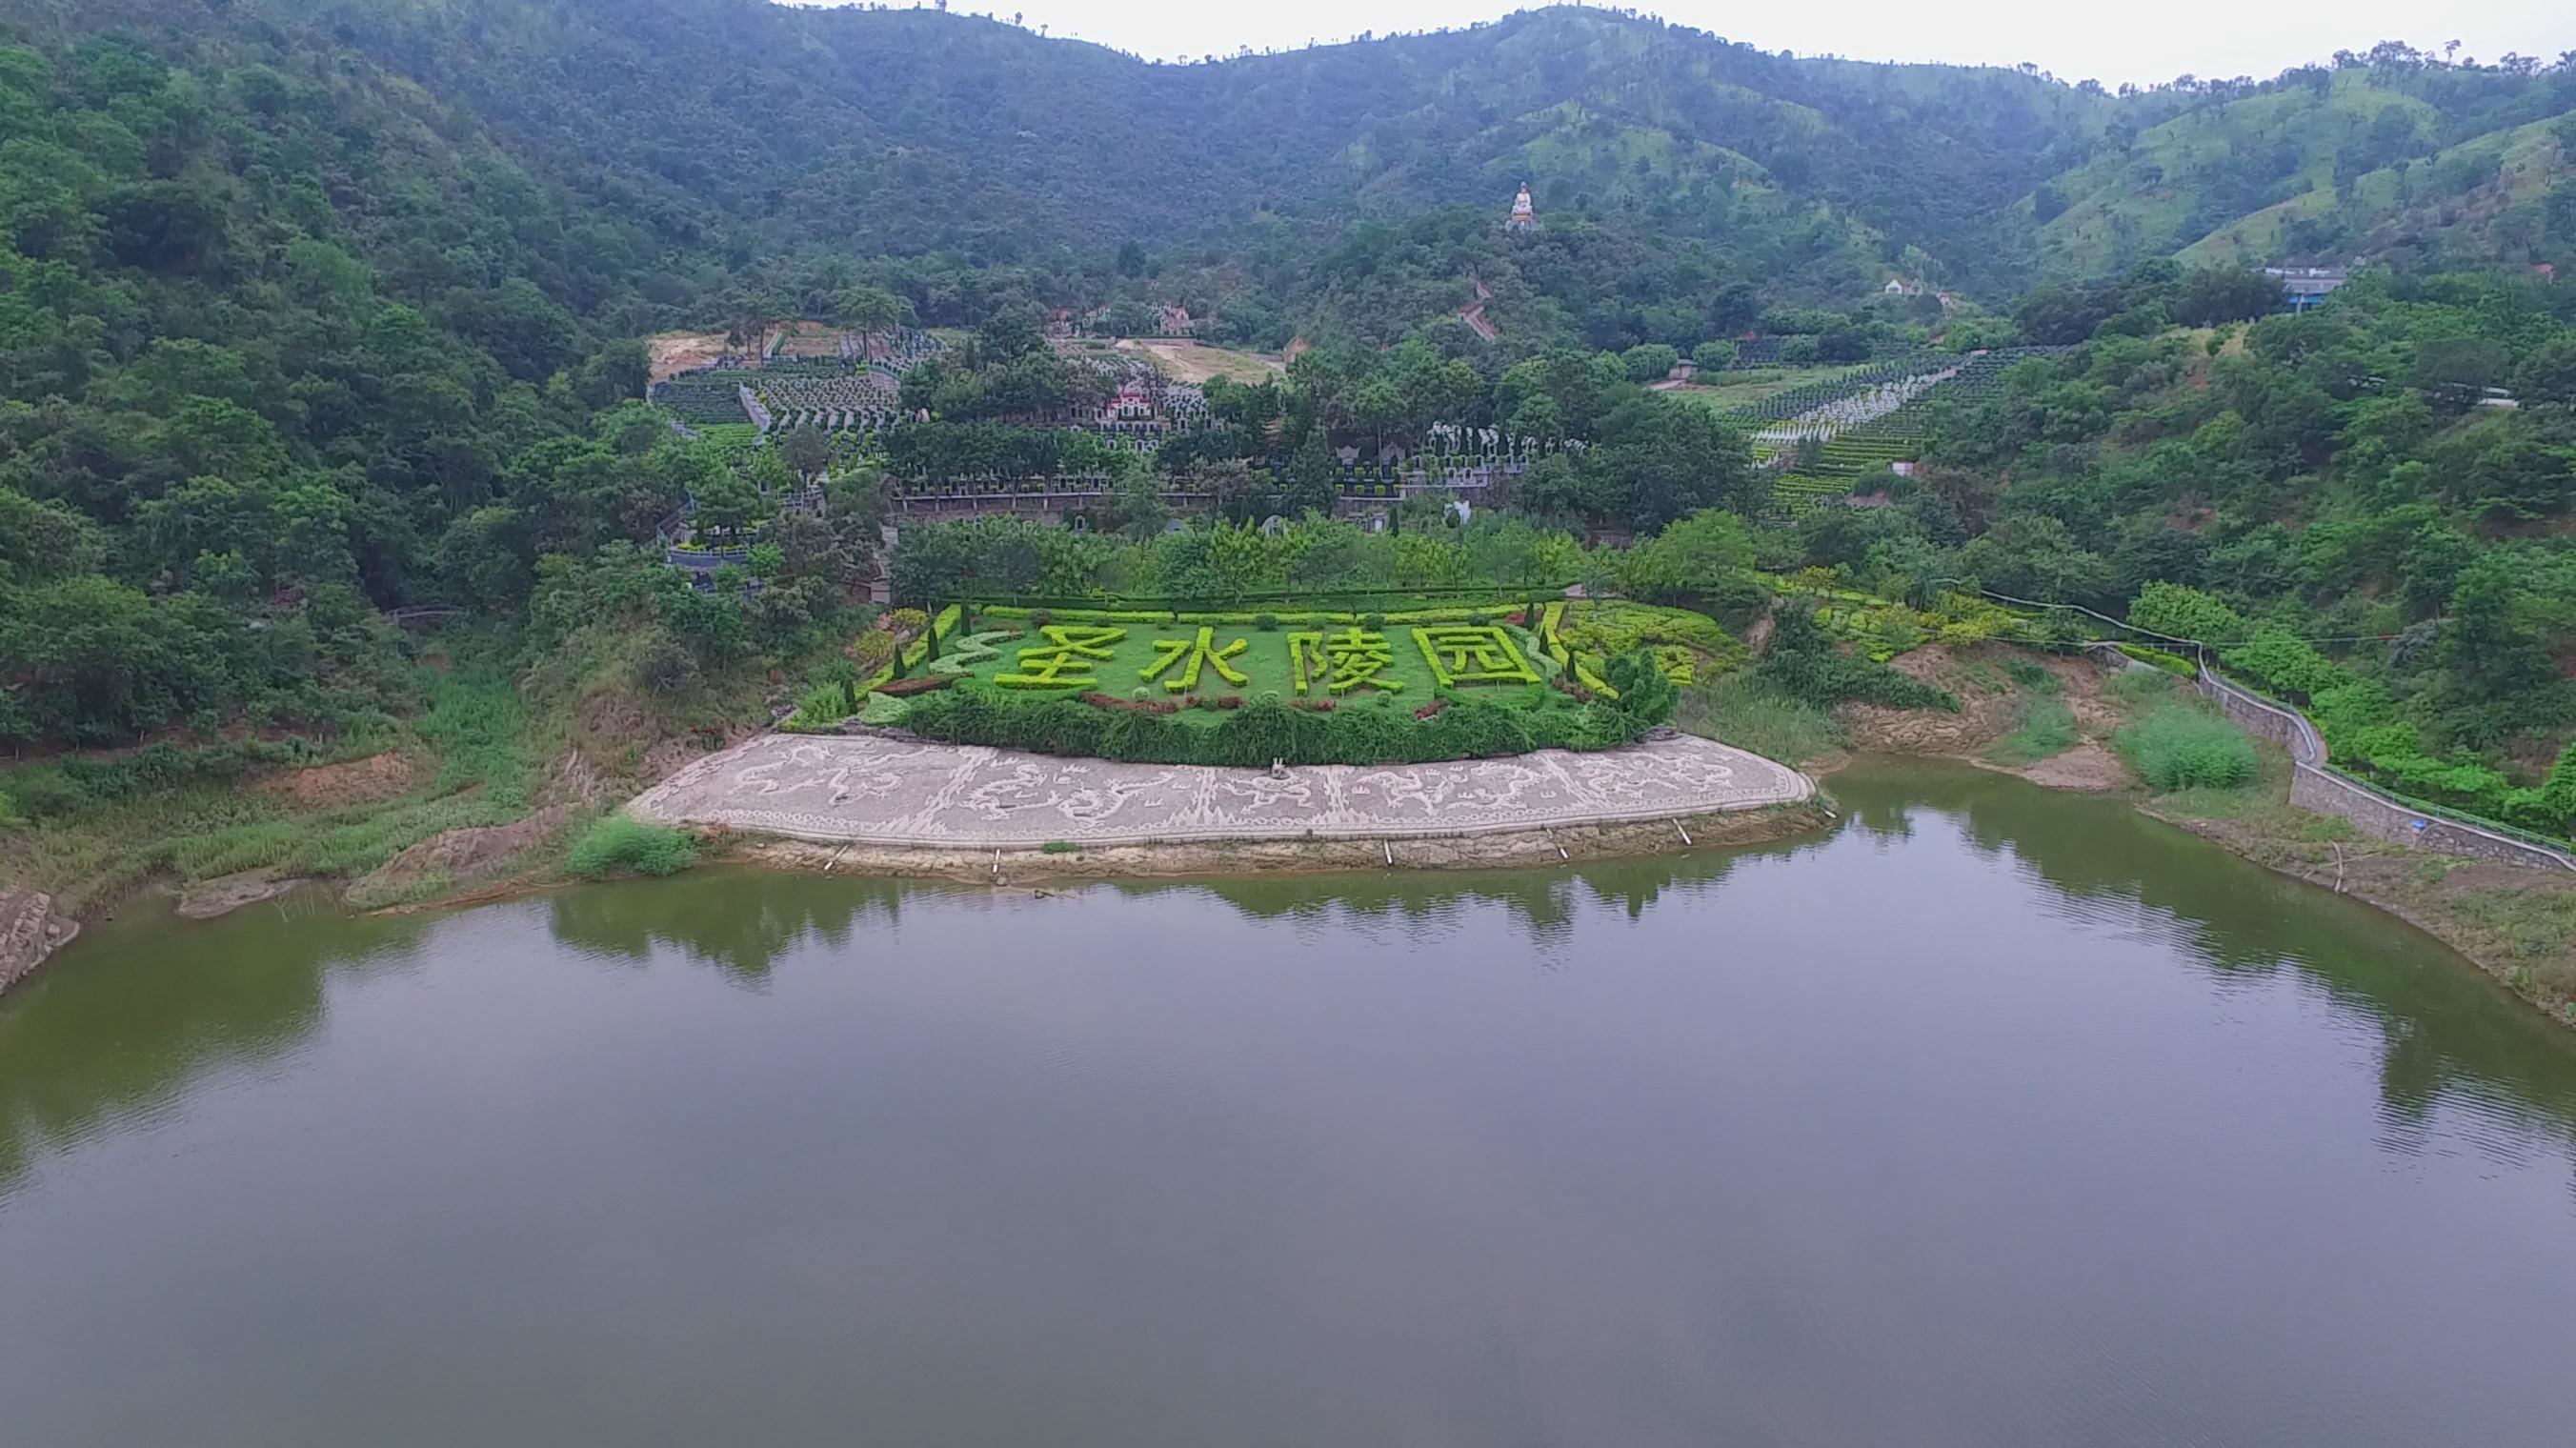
2377,156
737,130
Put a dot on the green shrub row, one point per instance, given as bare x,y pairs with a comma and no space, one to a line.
1267,729
1473,613
2174,664
2365,731
72,787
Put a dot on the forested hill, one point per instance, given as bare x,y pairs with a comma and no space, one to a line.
740,128
776,128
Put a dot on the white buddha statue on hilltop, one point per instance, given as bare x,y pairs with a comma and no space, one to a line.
1524,216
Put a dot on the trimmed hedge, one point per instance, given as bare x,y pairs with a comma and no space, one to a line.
1267,729
2174,664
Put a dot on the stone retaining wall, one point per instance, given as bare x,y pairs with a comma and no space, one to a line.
29,931
2314,786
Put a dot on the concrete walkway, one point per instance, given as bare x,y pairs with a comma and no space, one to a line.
893,792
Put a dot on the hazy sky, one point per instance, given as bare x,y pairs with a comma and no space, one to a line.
2111,43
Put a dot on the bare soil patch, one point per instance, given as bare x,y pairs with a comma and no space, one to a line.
1990,706
371,780
673,353
1196,362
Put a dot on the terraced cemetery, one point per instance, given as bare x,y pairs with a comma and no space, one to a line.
1868,421
809,379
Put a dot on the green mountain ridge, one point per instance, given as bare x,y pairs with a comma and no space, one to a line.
2331,150
745,129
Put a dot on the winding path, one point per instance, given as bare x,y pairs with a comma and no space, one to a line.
894,792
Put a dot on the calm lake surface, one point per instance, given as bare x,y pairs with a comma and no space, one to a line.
1997,1117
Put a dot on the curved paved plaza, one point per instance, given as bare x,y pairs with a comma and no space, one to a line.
878,791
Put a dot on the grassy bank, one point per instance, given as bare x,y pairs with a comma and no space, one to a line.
98,828
496,762
1753,715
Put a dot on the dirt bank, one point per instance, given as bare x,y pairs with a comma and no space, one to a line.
372,780
1990,702
1550,846
460,860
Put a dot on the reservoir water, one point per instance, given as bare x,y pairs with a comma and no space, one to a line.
1995,1118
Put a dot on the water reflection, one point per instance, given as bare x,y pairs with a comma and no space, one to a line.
143,1005
2444,1029
140,1007
736,922
1992,1119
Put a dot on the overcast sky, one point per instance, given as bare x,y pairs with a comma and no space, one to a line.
2110,43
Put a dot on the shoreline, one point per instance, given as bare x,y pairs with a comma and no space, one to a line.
890,793
1181,859
2462,903
2456,899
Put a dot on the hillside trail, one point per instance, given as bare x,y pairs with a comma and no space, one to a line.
1474,315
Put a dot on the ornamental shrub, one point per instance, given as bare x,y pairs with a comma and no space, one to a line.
1646,693
2186,613
2284,665
1803,663
871,652
883,710
618,843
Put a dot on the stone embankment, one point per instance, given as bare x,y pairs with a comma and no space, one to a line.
2315,787
908,794
29,931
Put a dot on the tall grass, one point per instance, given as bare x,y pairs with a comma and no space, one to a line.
476,722
2043,725
1752,714
615,843
2044,729
2177,745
